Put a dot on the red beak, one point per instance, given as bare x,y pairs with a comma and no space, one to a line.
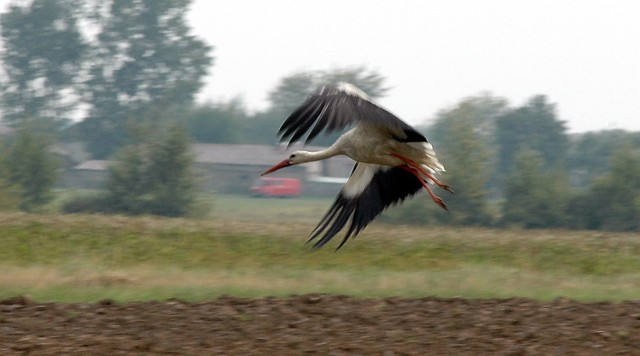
280,165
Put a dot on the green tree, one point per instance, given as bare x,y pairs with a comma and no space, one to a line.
461,143
294,89
127,184
144,56
30,168
613,201
43,54
462,137
261,127
9,197
590,154
170,174
217,122
154,177
536,127
370,81
533,198
9,194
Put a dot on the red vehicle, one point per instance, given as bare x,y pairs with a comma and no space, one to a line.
277,187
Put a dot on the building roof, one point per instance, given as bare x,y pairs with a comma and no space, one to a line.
243,154
236,154
212,153
93,165
5,130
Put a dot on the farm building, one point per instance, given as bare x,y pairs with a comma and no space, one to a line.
87,175
227,168
235,168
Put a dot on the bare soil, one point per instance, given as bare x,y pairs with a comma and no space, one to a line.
321,324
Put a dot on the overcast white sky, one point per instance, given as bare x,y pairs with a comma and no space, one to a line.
583,54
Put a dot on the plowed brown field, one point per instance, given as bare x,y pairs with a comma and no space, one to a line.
320,324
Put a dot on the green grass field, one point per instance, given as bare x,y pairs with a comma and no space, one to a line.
255,247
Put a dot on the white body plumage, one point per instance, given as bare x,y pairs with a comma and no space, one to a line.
393,160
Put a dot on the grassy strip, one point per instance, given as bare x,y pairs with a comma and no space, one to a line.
76,258
146,283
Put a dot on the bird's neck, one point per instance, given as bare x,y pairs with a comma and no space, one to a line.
322,154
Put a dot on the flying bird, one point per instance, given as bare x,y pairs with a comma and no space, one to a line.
393,160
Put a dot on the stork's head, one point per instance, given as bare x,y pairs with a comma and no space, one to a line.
296,157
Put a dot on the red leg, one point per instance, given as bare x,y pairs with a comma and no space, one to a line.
433,196
421,169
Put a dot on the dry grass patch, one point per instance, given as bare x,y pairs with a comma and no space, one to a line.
78,256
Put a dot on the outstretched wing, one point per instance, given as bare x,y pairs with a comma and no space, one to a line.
334,107
370,189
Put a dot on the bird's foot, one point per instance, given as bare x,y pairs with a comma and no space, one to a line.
433,196
418,168
446,187
440,202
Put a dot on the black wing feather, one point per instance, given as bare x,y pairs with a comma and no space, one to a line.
387,187
333,108
297,132
296,118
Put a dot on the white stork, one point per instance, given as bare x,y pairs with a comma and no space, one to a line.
393,160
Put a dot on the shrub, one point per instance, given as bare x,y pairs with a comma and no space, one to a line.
94,203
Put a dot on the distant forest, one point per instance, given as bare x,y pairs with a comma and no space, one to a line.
111,74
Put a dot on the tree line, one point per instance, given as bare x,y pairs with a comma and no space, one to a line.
107,64
510,165
517,166
121,76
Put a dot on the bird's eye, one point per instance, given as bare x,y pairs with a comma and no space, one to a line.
293,155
